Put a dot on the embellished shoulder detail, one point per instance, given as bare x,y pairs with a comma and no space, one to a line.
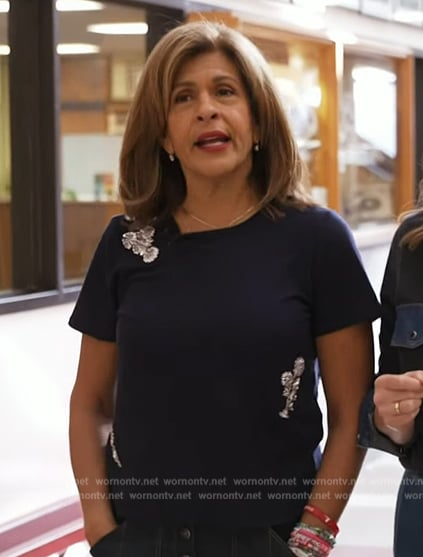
140,242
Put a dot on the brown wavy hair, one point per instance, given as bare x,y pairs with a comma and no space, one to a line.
415,237
152,187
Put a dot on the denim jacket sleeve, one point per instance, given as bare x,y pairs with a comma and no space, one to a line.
370,437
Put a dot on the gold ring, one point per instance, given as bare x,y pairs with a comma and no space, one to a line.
397,408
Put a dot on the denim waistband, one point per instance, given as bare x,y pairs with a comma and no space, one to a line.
131,540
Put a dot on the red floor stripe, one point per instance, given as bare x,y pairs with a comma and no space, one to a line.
31,528
56,546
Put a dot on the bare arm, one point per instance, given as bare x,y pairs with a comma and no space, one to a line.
346,366
90,406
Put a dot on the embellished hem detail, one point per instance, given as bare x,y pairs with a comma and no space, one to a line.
140,243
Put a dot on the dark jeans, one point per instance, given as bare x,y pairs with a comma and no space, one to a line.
130,540
408,538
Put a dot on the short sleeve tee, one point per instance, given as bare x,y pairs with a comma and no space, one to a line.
217,357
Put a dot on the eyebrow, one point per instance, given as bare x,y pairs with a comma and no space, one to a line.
216,79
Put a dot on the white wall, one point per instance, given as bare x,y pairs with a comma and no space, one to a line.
38,359
83,156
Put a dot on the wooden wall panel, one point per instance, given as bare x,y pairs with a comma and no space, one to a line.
83,225
84,79
215,15
405,184
327,173
78,121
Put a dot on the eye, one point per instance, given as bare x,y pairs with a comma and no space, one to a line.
182,97
225,91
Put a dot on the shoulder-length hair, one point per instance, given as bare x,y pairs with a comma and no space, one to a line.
414,237
151,186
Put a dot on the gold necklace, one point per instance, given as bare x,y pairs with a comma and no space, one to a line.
213,226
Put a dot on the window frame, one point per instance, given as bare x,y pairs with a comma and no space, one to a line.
36,206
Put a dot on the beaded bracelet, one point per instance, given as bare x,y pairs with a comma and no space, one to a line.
307,538
308,542
300,552
322,532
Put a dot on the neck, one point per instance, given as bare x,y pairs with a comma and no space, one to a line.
213,196
235,220
216,208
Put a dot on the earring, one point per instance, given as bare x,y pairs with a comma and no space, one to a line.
171,157
256,146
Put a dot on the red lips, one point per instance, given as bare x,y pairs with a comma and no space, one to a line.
211,137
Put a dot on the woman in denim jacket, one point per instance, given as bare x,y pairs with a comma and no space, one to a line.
392,415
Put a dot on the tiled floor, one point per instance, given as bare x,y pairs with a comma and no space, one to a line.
367,522
352,551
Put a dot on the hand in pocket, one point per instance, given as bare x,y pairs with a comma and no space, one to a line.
107,544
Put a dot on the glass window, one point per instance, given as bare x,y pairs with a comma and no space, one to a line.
351,4
296,67
102,53
409,11
299,86
409,4
368,139
5,163
380,8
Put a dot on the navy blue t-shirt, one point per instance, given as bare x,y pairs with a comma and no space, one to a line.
216,393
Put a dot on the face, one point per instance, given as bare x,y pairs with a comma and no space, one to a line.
210,127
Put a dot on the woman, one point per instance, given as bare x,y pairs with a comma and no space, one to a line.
392,417
208,307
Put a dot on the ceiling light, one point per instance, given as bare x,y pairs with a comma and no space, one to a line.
64,6
4,49
77,48
139,28
78,6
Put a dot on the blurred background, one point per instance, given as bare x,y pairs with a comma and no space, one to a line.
351,77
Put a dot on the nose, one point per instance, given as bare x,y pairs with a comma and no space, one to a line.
206,109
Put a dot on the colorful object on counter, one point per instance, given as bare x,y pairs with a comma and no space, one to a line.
104,186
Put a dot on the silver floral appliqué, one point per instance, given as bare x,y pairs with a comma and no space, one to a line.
115,454
140,243
290,381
